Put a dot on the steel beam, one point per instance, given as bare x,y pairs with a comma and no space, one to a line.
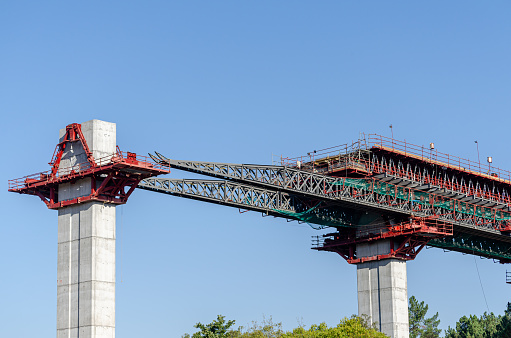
334,190
238,195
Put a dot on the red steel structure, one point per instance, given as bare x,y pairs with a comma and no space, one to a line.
375,189
112,178
406,240
378,162
401,156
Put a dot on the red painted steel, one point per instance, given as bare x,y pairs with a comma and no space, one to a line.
374,155
113,178
411,238
412,151
431,197
368,169
435,157
73,133
379,168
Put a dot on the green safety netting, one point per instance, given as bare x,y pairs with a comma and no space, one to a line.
472,244
405,194
308,216
423,198
312,219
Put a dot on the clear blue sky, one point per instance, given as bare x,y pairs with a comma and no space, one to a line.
233,81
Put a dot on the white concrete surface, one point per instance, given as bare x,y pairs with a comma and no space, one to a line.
101,139
382,290
86,248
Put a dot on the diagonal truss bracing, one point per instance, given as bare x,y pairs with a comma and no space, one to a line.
362,194
342,202
238,195
223,192
280,177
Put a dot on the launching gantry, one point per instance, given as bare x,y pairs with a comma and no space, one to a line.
372,189
383,200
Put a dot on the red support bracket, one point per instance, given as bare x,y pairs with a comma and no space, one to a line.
119,175
73,133
411,237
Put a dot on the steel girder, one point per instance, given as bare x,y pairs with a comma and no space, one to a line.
288,192
474,245
334,190
276,177
238,195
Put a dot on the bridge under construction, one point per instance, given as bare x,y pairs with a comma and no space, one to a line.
384,200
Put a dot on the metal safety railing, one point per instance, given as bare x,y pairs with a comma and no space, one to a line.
83,168
432,155
426,154
317,241
314,155
341,164
423,227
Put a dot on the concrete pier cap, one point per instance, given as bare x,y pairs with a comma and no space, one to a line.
86,245
382,290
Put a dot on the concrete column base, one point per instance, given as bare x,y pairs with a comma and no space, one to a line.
86,271
382,292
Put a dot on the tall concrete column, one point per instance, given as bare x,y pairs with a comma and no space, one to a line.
86,246
382,290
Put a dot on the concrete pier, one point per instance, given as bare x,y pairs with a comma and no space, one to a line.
382,290
86,246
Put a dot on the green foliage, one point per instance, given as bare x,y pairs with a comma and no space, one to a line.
420,326
218,328
472,326
486,326
268,329
347,328
504,327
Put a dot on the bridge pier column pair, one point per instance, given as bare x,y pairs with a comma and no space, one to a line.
382,290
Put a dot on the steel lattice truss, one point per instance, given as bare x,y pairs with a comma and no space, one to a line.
338,202
242,196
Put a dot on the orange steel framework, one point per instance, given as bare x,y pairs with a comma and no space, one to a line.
112,178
